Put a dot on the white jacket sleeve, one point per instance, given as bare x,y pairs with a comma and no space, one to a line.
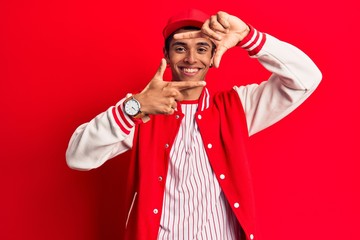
294,77
104,137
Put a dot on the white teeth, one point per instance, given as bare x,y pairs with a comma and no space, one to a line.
190,70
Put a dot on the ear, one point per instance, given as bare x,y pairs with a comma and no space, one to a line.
212,61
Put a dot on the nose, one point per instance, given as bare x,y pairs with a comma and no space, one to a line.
190,57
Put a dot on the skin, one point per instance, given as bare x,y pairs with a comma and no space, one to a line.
190,58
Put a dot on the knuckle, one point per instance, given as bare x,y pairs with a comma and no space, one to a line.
213,24
221,13
206,24
179,97
168,110
173,92
168,85
168,102
164,110
213,35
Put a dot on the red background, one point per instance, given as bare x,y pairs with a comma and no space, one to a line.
63,62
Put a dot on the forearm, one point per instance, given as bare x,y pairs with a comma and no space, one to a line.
294,77
104,137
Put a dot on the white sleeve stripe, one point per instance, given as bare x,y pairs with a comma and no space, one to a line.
251,40
123,117
257,43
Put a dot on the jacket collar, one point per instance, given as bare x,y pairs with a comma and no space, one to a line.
203,101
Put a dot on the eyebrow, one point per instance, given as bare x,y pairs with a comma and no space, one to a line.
178,43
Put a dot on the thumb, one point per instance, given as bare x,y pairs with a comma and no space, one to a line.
160,72
218,55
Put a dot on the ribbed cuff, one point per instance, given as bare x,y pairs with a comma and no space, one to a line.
253,42
123,121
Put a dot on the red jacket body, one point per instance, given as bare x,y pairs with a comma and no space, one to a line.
223,129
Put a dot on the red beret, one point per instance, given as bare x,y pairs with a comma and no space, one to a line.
190,17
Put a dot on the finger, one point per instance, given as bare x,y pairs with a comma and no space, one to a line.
220,50
170,103
174,105
215,25
187,85
171,92
179,97
168,110
223,19
186,35
210,33
160,72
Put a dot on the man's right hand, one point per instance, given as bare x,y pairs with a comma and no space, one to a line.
160,97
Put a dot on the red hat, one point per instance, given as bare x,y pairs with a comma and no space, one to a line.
189,17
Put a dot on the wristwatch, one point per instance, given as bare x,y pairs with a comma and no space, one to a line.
132,107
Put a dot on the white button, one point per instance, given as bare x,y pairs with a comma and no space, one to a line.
155,211
177,116
236,205
222,176
160,178
251,236
199,116
166,145
209,145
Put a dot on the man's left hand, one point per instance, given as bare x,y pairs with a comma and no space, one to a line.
225,30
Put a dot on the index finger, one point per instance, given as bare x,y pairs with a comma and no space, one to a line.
191,34
187,85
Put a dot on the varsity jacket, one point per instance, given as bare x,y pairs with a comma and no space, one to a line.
225,120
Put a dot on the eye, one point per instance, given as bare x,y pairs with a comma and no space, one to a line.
180,49
202,50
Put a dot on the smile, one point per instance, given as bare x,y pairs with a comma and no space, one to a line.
190,70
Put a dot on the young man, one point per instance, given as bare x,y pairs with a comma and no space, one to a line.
189,174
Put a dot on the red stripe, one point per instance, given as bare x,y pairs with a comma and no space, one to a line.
259,47
123,129
122,115
257,35
248,37
253,42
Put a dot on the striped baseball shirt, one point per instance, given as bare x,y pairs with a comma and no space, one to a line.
194,205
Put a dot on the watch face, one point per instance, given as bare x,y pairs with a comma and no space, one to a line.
132,107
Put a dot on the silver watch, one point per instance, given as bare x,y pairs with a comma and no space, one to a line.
132,107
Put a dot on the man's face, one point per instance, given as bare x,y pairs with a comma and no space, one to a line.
189,59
